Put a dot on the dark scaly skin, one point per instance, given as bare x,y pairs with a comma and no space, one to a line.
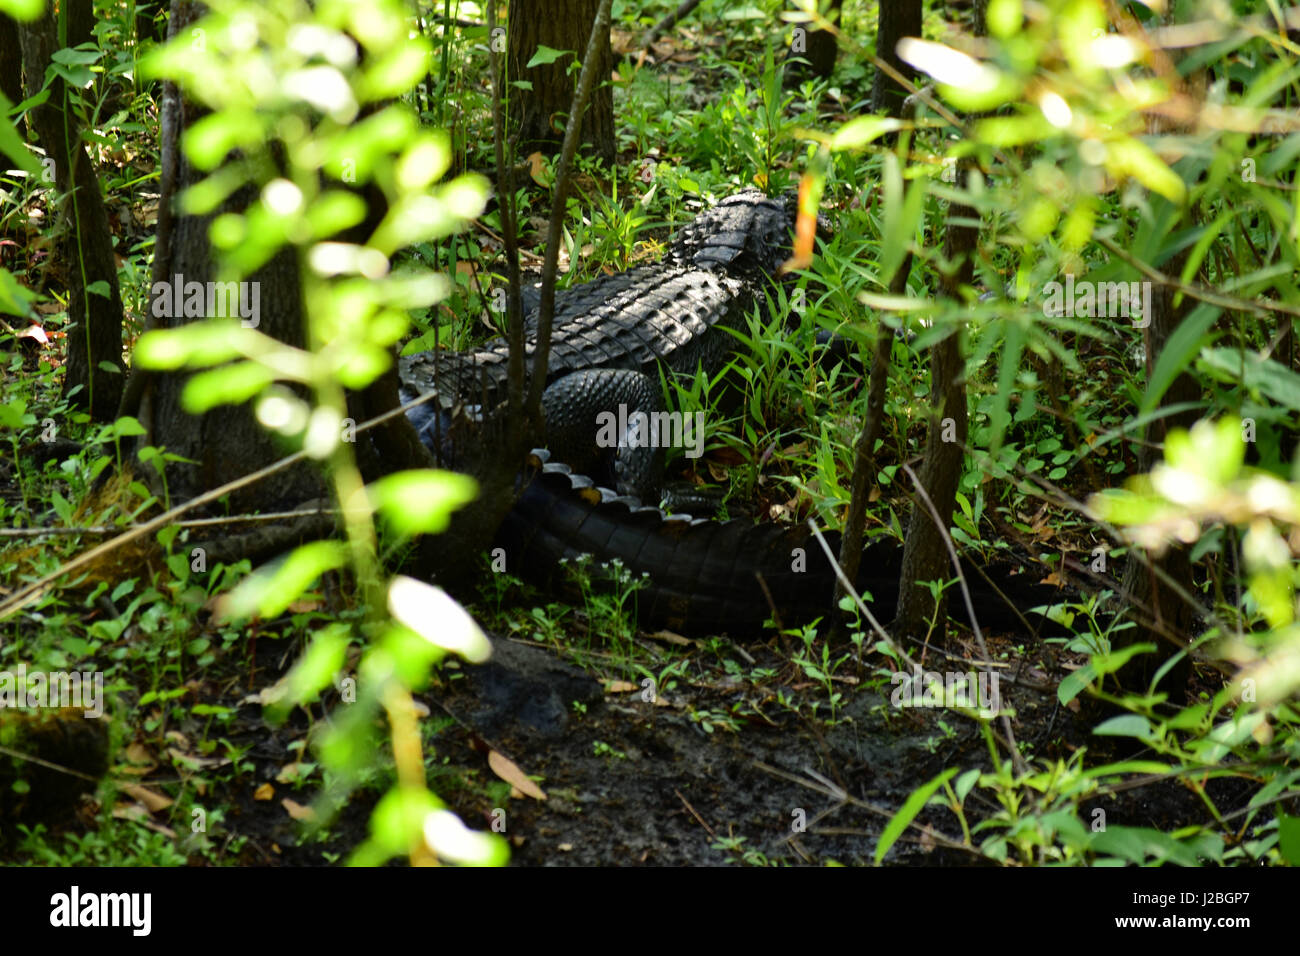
609,338
704,575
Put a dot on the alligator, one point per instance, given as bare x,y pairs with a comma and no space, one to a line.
609,338
705,576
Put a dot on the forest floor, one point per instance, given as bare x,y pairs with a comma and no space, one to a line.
719,770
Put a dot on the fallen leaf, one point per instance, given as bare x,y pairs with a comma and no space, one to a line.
297,811
620,687
669,637
507,770
293,772
152,799
265,792
537,169
129,811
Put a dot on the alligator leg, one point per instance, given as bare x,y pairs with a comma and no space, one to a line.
602,422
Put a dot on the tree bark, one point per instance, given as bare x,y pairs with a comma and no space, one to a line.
86,246
1160,614
818,47
541,111
897,19
11,60
227,442
925,557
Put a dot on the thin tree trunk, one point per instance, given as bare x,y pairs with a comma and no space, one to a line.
896,20
93,376
11,61
1162,617
541,112
818,47
925,557
226,442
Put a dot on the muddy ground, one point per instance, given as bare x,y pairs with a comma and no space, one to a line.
630,782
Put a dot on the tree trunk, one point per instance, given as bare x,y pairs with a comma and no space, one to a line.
818,47
1160,614
226,442
898,19
86,246
11,61
541,111
925,556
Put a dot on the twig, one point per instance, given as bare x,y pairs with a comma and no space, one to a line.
1197,292
700,819
669,21
189,523
546,310
30,592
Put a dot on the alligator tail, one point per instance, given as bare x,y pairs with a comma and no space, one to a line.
707,576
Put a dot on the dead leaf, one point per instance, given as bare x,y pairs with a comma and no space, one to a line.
292,772
537,169
298,811
152,799
620,687
669,637
507,770
265,792
191,762
129,811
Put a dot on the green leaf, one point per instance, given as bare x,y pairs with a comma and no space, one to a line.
271,589
1142,845
1288,837
78,76
77,56
1126,725
862,130
1109,663
545,55
1270,378
199,343
22,10
1074,683
1133,158
13,145
125,427
1178,351
207,141
228,385
398,70
316,670
907,813
421,502
435,616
